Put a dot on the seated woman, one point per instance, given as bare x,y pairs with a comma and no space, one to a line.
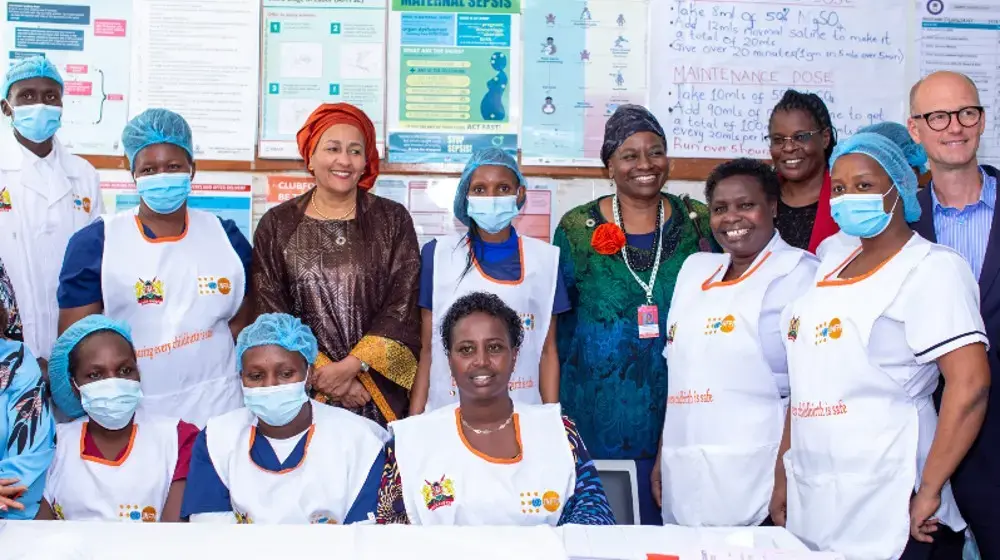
26,428
284,459
868,459
488,460
717,472
106,468
493,257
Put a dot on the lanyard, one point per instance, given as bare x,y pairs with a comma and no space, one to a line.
648,288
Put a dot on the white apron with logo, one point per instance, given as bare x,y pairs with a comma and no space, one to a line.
532,297
852,465
446,482
178,296
724,414
132,489
340,449
38,215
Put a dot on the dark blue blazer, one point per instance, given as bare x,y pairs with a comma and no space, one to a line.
984,457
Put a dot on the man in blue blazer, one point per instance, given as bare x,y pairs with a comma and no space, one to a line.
947,119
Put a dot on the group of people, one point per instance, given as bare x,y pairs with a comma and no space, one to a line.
821,320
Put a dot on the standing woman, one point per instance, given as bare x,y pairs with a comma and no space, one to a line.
174,274
869,460
26,427
726,356
493,258
620,255
347,263
802,137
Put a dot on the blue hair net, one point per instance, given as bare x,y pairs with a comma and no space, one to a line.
915,154
890,156
156,126
59,374
279,329
31,67
489,156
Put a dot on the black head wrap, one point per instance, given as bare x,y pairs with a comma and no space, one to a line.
627,120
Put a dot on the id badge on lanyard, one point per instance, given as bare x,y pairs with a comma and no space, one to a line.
649,321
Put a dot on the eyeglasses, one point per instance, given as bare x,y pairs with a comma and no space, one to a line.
798,139
941,120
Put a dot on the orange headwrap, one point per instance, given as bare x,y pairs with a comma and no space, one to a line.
329,114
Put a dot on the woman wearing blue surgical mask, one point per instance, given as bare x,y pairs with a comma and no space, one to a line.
491,257
115,462
283,459
866,459
46,195
175,274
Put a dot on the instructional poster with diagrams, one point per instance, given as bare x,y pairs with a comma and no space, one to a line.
314,52
723,66
227,195
582,59
454,79
89,42
201,59
965,37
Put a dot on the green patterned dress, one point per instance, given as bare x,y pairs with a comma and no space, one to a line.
613,383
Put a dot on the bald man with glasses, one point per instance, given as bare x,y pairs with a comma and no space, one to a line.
958,210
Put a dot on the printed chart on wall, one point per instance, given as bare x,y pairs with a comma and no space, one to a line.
965,37
453,78
727,63
227,195
200,59
319,51
582,59
89,42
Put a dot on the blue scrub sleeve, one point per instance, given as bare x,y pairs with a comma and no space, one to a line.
204,491
426,298
80,277
29,438
367,500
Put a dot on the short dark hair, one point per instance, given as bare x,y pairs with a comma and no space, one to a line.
745,167
813,104
482,302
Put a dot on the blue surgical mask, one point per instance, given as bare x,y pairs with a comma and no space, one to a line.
862,215
37,123
276,405
164,193
111,402
493,213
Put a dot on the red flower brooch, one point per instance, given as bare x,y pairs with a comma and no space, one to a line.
608,239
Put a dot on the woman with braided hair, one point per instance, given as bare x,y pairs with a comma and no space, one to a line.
801,137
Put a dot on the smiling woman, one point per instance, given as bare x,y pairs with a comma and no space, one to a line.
347,263
620,255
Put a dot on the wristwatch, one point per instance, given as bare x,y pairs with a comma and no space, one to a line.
364,366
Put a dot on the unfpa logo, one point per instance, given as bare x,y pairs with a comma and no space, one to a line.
828,331
725,325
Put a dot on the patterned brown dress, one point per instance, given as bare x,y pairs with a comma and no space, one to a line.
355,283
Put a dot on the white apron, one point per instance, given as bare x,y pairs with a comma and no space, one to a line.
340,449
132,489
532,297
178,296
38,215
446,482
724,414
852,464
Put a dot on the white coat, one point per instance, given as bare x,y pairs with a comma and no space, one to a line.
43,202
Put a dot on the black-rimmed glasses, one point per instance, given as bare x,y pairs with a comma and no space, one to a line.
941,120
797,139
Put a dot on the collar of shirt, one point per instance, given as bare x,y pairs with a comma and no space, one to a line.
987,195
